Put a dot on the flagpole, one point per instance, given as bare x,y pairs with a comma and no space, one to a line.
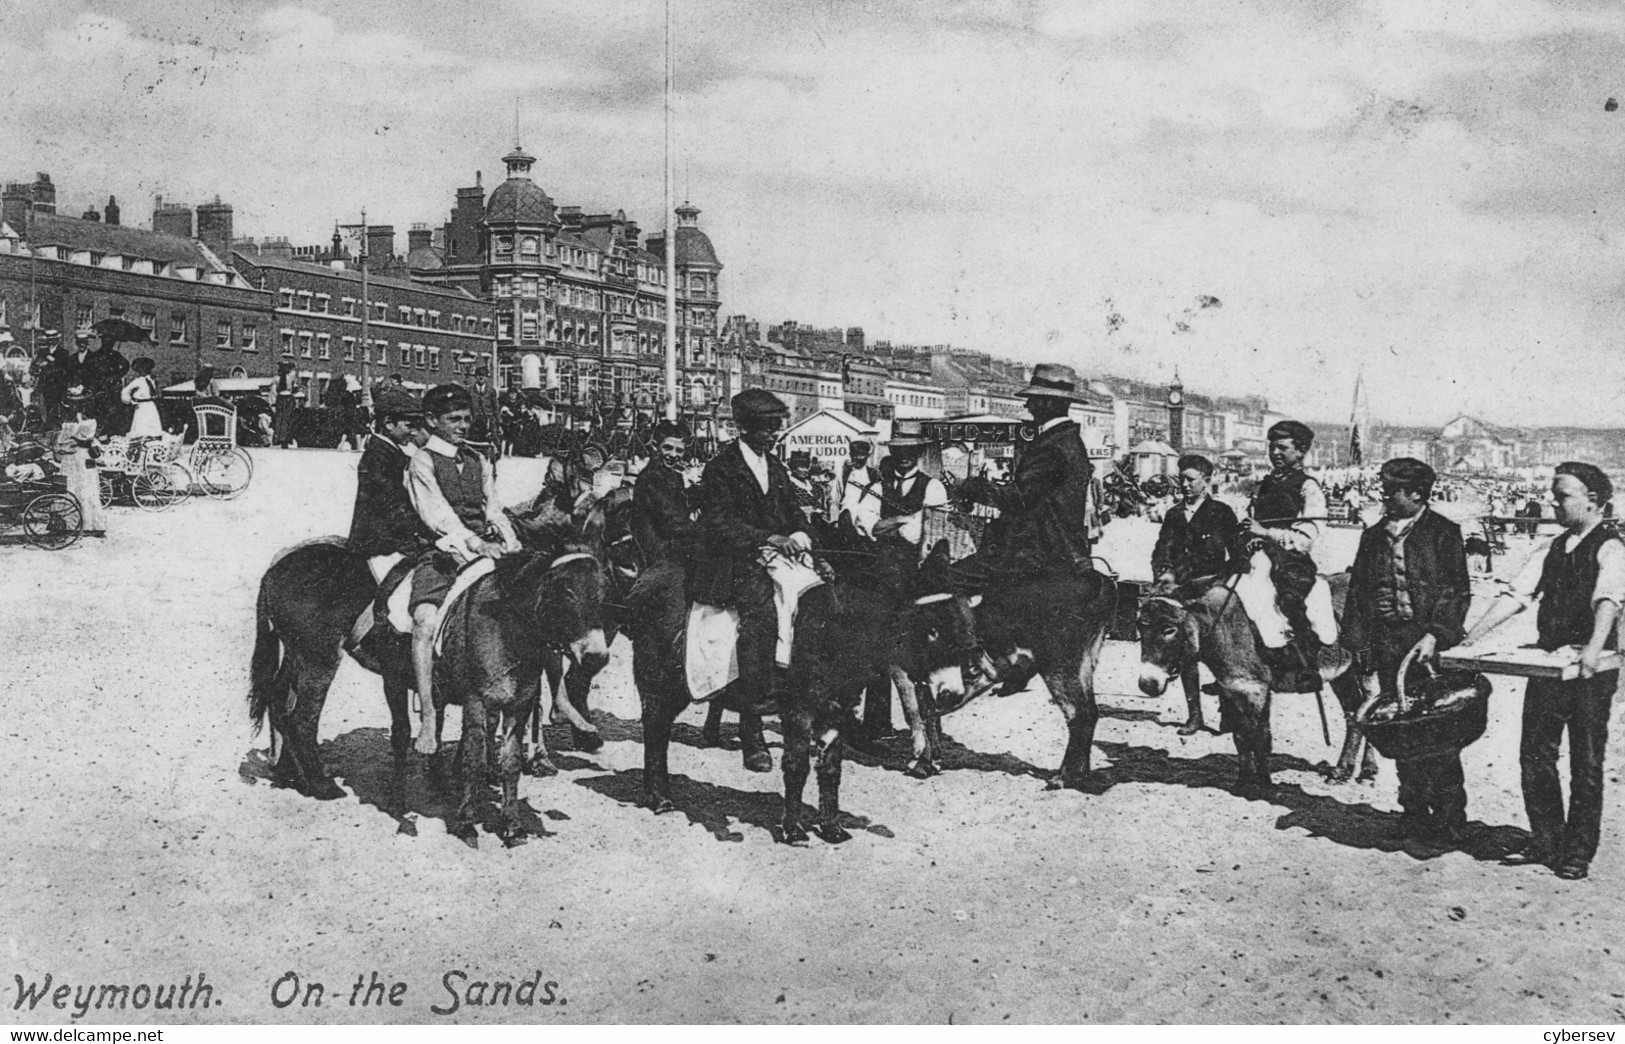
671,247
366,307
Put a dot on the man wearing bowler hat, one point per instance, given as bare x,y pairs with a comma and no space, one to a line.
746,503
1043,528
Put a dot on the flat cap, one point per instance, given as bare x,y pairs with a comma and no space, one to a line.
446,398
1297,431
755,404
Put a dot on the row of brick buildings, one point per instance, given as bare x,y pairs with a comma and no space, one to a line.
553,297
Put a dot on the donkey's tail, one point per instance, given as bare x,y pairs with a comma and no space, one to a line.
265,670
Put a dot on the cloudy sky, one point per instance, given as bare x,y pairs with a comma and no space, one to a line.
1430,191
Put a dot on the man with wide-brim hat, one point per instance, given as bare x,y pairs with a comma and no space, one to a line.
746,502
1043,526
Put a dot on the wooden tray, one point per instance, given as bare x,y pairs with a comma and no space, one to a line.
1525,661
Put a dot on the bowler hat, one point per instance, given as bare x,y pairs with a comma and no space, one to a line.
907,434
754,405
1052,381
446,398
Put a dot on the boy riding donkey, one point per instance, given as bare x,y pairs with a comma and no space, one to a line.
384,525
1285,521
453,489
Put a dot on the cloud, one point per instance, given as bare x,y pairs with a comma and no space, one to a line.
1425,189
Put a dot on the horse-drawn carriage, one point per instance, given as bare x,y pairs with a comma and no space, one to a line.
48,515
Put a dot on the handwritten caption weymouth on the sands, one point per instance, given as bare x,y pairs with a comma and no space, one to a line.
458,991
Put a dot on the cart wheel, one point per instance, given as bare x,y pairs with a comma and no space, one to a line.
53,521
157,488
224,476
107,487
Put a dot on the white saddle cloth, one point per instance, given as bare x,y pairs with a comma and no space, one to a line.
711,647
1255,589
399,603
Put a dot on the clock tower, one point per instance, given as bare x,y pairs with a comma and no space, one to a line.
1176,414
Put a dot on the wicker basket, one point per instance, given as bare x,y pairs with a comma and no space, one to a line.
1445,715
962,530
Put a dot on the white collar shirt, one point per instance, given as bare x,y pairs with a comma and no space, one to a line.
756,462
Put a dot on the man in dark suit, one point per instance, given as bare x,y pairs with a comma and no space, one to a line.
1043,528
746,503
1408,593
1194,542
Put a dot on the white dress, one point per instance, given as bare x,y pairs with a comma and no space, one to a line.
145,423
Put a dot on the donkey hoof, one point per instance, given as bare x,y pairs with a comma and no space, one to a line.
541,765
794,834
465,833
920,768
758,761
513,837
832,833
661,804
587,742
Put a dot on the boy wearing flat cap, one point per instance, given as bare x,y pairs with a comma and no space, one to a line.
1408,594
453,489
1579,580
1285,513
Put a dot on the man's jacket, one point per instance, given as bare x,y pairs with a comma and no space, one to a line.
736,518
1435,582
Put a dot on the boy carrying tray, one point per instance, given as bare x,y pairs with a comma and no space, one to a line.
1579,580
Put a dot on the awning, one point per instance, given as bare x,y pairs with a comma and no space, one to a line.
226,386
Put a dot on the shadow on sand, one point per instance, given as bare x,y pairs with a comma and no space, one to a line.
718,809
363,761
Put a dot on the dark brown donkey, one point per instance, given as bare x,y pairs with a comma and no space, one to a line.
497,643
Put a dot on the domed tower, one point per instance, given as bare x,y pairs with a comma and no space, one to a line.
698,289
519,225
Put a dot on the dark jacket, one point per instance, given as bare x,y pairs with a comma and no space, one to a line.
1436,578
1199,545
1044,511
384,521
662,519
736,518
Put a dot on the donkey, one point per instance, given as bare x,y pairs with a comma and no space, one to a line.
603,526
1055,629
1211,626
495,645
844,636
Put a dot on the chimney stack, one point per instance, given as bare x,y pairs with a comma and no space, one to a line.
15,206
110,214
214,226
